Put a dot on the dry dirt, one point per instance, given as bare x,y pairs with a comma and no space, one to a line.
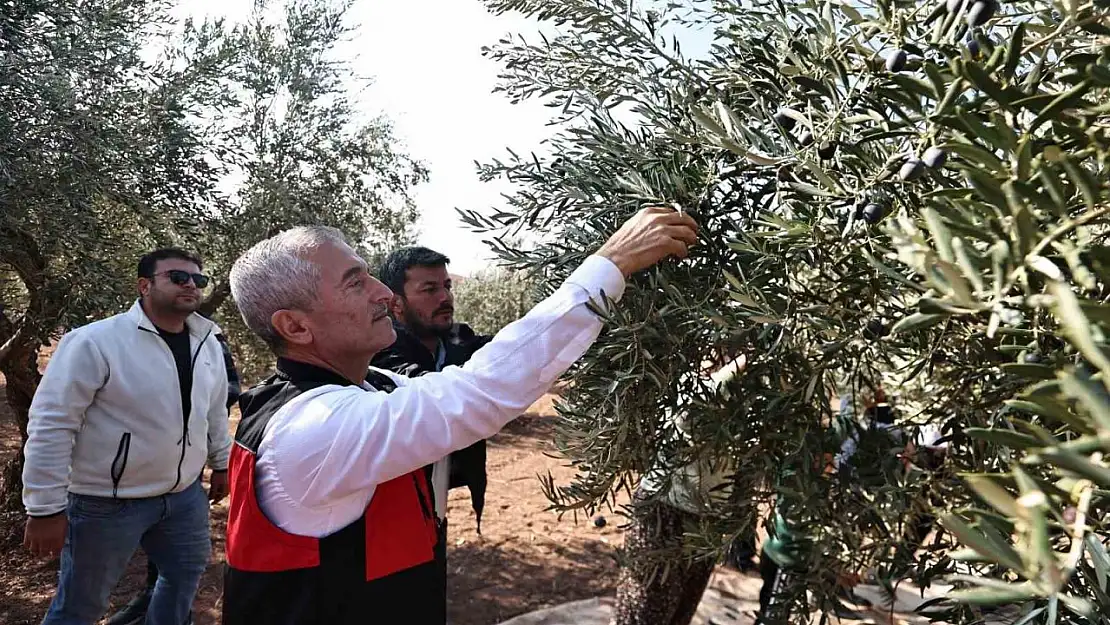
526,558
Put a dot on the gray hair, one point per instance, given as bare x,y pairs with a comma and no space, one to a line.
276,275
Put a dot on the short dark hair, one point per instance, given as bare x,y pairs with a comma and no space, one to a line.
150,260
395,266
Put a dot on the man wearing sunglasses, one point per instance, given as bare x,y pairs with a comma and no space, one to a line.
129,411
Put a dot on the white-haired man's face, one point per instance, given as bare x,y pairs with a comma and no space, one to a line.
350,317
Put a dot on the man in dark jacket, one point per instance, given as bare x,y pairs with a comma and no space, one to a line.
134,613
428,339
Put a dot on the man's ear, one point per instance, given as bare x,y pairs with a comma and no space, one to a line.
291,327
143,285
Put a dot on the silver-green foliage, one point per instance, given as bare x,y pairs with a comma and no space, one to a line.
491,299
829,253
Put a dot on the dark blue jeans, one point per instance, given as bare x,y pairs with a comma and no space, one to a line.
104,533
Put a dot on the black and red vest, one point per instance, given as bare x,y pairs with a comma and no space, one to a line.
381,569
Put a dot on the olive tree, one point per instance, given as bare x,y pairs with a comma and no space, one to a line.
125,129
102,156
892,194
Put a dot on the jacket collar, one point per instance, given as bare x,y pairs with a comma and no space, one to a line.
298,371
196,324
408,343
460,334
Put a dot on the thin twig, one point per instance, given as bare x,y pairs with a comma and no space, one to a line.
1079,530
1060,231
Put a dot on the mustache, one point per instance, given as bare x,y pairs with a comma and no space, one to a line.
380,311
447,308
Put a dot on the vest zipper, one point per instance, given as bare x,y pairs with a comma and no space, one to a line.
428,515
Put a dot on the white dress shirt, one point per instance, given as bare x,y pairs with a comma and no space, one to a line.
323,453
441,470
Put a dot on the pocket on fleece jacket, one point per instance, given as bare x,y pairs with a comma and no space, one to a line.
119,463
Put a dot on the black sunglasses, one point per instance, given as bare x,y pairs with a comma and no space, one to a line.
181,278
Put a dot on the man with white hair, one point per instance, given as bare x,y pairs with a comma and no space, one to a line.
330,518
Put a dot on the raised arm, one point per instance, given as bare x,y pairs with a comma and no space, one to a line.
343,442
346,442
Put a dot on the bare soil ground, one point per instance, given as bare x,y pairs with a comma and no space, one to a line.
526,558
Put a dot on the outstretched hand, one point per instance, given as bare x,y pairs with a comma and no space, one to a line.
649,236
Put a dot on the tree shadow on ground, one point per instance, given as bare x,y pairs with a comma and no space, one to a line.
529,432
511,583
27,584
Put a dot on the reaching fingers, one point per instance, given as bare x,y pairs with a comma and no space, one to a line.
682,233
682,219
678,248
672,215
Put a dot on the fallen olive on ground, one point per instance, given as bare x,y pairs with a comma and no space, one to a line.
875,329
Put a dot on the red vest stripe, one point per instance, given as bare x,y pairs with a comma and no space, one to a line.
384,567
253,542
399,535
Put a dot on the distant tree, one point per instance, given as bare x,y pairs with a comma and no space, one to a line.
304,153
225,136
102,154
491,299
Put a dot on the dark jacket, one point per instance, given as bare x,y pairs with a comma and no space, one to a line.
409,357
233,384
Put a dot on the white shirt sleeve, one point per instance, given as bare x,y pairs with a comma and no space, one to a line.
75,373
323,453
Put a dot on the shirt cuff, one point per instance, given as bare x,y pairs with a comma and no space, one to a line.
598,274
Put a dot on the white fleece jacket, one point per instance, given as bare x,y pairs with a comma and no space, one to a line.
106,418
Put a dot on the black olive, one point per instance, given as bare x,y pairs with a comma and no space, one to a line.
896,61
980,12
911,170
934,157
